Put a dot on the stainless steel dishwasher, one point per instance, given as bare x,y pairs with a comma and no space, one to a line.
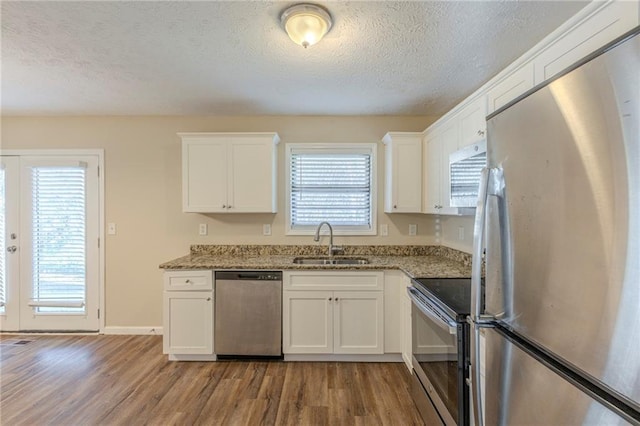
248,314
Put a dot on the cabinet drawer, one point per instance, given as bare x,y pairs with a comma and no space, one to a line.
333,280
188,280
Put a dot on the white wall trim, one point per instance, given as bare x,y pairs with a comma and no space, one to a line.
148,330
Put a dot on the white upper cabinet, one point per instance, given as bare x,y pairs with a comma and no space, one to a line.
589,30
510,87
439,145
403,172
473,123
229,172
598,28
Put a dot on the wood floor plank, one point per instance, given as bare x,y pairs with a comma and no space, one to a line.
124,380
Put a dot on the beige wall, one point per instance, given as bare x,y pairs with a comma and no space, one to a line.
450,232
143,192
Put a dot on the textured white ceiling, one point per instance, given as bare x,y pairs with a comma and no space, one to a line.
232,58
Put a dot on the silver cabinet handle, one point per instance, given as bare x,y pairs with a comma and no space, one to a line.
13,236
229,206
330,299
12,249
224,206
480,132
336,299
395,206
208,299
187,281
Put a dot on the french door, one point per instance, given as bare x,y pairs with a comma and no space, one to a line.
49,230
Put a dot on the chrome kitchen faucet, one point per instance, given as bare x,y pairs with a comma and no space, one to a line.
332,249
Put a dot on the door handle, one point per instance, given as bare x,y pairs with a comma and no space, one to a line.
12,249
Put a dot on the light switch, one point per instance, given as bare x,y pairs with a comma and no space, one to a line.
384,230
111,228
266,229
202,229
413,229
461,233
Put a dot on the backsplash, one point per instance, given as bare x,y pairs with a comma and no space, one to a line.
321,250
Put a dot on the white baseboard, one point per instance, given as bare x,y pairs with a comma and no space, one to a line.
150,330
174,357
344,357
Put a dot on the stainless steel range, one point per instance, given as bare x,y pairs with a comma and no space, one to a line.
440,349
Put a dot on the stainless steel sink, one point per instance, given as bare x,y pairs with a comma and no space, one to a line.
330,261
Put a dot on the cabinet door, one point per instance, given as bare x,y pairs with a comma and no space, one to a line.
188,322
393,288
251,175
307,322
204,175
406,327
612,20
358,322
433,149
511,87
404,174
449,143
473,122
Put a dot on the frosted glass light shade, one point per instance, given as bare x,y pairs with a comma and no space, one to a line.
306,24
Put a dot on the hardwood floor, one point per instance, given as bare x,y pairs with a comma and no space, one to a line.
89,380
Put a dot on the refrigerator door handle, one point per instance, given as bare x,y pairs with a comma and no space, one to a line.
476,293
478,245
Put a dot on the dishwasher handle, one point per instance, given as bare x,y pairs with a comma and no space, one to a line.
249,275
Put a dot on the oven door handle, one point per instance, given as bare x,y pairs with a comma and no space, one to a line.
450,327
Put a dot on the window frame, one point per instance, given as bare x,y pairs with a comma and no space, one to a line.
335,148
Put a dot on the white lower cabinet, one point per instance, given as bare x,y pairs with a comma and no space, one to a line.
188,314
333,322
323,319
406,325
358,326
308,322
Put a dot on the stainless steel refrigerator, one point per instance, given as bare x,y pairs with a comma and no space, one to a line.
556,327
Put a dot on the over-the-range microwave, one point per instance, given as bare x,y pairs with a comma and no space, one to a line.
465,168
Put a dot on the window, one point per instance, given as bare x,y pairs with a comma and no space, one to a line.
333,183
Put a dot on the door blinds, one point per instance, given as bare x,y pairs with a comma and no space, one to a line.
59,236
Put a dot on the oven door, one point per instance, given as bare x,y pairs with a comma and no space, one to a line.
437,361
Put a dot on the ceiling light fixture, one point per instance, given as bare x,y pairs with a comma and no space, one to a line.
305,23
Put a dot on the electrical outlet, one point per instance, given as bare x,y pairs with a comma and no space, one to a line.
413,229
384,230
461,233
266,229
111,229
202,229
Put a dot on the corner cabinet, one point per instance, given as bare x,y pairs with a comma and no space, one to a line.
333,312
403,172
229,172
188,315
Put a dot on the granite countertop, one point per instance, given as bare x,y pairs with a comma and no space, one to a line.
416,261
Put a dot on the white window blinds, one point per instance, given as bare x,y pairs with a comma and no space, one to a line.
333,187
59,236
3,242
